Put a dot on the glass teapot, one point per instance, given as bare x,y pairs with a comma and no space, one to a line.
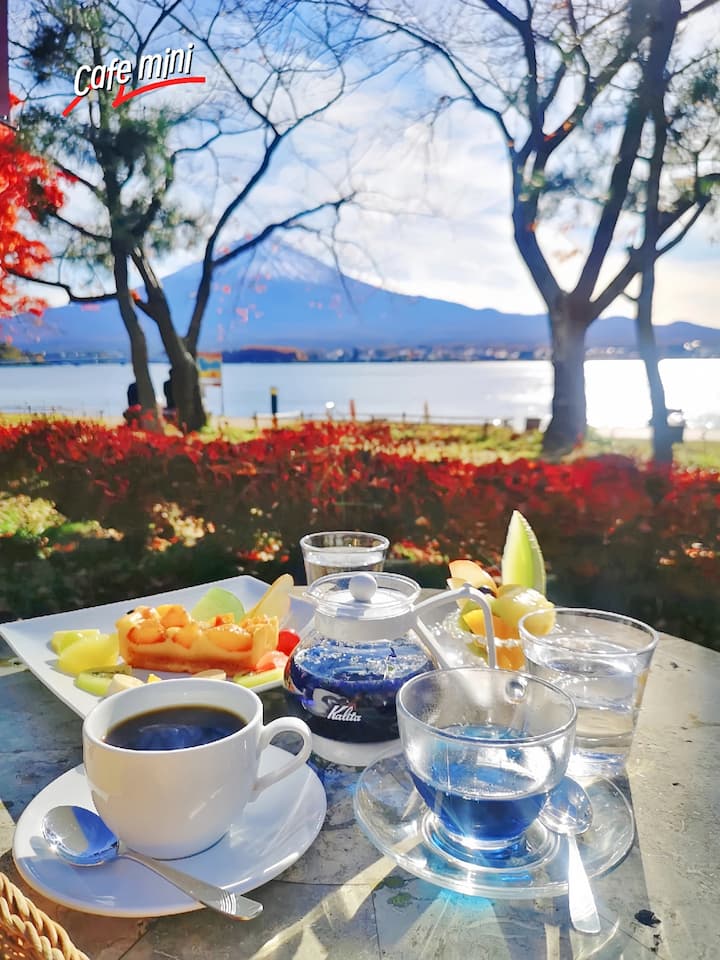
364,642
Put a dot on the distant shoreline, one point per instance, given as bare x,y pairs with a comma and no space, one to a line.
116,361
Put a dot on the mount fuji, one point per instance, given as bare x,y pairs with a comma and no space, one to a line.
281,296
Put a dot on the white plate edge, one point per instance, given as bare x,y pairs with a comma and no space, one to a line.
81,702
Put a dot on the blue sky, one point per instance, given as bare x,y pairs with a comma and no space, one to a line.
434,213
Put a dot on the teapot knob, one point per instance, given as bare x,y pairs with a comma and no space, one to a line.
363,587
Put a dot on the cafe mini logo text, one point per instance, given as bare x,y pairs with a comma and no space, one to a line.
162,70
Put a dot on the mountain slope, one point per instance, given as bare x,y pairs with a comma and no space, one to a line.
284,297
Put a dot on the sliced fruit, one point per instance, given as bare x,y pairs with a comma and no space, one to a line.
522,559
255,679
273,660
475,620
147,631
465,607
515,601
215,602
287,641
265,637
173,615
64,638
121,682
98,681
229,636
275,602
468,571
508,655
186,636
88,653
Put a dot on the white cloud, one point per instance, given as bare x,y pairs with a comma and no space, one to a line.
434,218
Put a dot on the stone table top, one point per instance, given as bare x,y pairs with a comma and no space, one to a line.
343,899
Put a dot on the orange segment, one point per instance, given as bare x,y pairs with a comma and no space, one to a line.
475,620
510,656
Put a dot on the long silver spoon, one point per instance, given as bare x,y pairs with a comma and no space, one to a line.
79,836
568,811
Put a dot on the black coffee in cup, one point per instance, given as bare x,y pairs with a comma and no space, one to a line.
174,728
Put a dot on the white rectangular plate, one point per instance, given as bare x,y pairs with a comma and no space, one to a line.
30,639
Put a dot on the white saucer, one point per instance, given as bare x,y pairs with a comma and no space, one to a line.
393,816
270,835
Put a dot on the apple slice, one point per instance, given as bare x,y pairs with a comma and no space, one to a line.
468,571
275,602
522,559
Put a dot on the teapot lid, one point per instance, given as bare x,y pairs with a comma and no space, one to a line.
356,606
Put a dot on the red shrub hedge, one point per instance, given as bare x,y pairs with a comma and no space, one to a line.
615,533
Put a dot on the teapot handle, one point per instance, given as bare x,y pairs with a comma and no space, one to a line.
464,592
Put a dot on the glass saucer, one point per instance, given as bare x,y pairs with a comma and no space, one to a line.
392,815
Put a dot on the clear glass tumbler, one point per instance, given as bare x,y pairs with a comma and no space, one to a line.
602,661
342,551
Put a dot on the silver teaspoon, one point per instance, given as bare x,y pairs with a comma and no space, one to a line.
568,811
80,837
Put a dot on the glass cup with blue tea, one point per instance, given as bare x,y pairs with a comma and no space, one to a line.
602,661
483,748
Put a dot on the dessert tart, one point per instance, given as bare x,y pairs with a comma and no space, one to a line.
167,638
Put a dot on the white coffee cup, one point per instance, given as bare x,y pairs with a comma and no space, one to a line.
177,802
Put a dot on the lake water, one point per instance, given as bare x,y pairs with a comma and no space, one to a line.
617,393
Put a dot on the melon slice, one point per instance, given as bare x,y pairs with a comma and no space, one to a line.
522,559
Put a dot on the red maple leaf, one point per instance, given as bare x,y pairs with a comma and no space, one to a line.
29,189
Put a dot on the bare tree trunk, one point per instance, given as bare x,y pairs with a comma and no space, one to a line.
661,433
138,343
667,13
187,394
568,425
184,376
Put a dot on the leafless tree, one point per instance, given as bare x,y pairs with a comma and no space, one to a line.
146,176
573,90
